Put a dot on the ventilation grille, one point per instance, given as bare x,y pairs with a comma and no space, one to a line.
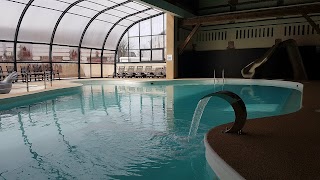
254,33
211,36
299,30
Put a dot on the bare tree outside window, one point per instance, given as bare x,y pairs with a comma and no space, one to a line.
123,48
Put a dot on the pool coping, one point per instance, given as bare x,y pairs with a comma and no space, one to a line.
11,100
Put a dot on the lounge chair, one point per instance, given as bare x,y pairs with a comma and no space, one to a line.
37,72
10,69
159,72
6,84
121,73
149,72
130,73
139,72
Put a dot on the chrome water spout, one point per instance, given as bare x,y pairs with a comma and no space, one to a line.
235,101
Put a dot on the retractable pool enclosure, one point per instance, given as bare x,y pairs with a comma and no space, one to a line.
79,36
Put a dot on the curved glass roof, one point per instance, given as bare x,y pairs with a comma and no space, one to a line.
84,23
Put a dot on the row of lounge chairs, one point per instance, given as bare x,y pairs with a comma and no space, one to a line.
36,72
139,72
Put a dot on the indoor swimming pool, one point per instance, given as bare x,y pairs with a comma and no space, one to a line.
124,130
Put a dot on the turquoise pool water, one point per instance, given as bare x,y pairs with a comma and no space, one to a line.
103,131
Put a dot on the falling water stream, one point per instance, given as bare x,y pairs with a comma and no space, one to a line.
197,116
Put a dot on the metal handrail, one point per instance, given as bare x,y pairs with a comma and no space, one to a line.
214,76
223,80
45,73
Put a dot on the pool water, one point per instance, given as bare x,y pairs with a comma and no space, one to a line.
106,131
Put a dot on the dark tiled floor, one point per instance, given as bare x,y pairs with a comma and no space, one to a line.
280,147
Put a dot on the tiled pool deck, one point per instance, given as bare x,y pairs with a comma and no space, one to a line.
280,147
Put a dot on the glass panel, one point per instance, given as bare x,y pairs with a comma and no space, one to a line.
6,52
96,70
53,4
96,56
66,70
9,15
70,29
153,12
157,41
108,70
145,42
85,69
157,55
39,52
96,63
85,55
137,6
25,52
108,17
95,34
134,43
37,24
134,30
123,48
108,57
125,22
5,66
2,51
83,11
113,38
143,15
64,54
22,1
60,54
145,27
108,63
127,8
73,54
106,2
157,25
134,56
145,55
117,12
68,1
134,18
96,6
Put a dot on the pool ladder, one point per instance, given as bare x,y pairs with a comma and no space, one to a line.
214,76
45,75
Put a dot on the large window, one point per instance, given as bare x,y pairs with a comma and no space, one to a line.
144,42
76,38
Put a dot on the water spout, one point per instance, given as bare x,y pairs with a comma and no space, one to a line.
236,103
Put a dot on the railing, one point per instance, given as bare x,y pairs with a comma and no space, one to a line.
214,76
223,80
45,76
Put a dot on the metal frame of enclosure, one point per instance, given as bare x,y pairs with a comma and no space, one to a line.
82,26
